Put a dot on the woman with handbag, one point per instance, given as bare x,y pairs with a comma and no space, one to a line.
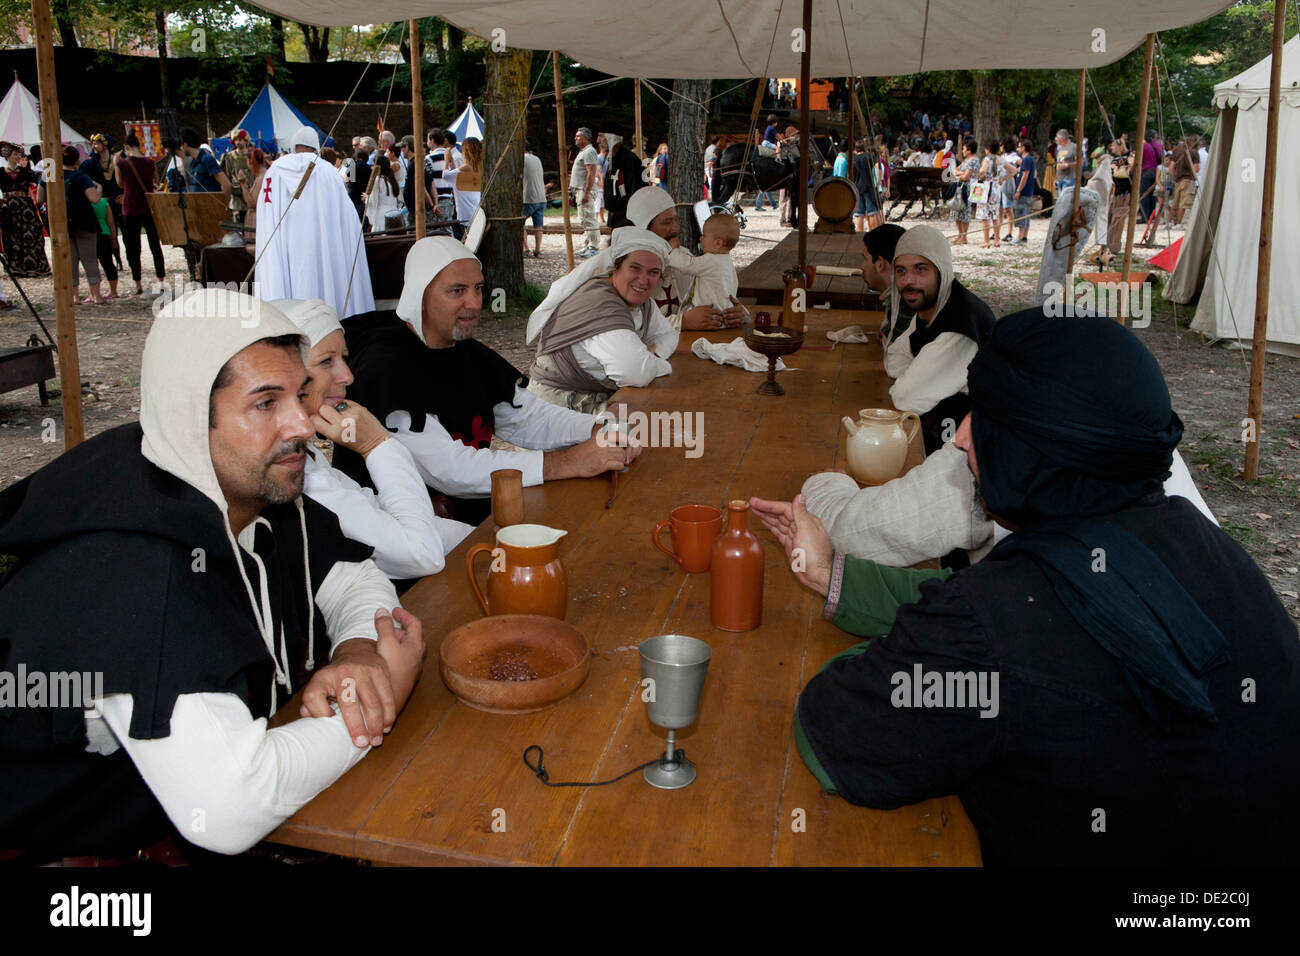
383,196
964,175
990,206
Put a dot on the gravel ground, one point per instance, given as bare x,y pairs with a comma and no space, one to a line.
1209,383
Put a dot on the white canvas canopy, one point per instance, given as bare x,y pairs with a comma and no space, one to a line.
20,121
1220,255
743,39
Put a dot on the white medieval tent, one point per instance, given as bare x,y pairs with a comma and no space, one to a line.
20,121
1220,254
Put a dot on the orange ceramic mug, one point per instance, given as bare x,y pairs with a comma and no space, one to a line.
694,527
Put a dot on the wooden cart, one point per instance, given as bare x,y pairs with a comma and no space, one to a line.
198,225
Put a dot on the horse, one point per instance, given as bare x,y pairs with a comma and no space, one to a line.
761,173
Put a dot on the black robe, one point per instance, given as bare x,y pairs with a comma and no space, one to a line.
1072,770
460,386
126,570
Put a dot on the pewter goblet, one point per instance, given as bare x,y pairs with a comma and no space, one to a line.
676,666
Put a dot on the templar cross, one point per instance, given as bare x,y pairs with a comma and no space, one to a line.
268,189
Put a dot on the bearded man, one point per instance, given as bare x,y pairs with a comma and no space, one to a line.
928,365
177,561
444,395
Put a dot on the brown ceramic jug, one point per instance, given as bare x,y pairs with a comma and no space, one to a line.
525,576
736,574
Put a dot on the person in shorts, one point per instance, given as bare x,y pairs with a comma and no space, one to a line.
534,200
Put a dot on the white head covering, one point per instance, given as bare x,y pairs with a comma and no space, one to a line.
306,136
612,140
426,259
629,239
191,339
929,243
314,318
646,203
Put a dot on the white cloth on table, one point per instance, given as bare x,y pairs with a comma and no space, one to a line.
460,471
306,247
849,334
735,352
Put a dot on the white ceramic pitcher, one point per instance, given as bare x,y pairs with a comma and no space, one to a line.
876,446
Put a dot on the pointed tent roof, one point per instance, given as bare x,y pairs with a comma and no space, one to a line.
468,124
271,122
20,120
1249,89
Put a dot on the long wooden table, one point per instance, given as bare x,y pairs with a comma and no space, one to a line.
762,281
449,785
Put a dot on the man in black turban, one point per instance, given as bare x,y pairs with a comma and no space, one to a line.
1115,683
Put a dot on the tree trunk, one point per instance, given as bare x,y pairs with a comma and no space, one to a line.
686,125
317,41
455,45
986,107
160,27
1044,103
67,30
501,252
277,39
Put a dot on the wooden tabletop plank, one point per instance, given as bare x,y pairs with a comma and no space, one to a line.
762,280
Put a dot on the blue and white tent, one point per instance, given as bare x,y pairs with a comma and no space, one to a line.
468,124
271,122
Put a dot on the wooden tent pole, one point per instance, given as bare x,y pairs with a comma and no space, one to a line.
1255,403
65,285
639,148
564,166
1078,178
853,92
1135,174
417,130
801,188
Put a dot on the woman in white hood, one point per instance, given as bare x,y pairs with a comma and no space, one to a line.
410,541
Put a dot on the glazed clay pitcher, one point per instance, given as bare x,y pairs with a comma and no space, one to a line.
736,574
525,576
876,446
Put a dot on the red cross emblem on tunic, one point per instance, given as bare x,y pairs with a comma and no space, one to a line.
480,434
267,191
669,303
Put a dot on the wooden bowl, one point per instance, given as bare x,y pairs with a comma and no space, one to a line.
554,650
783,343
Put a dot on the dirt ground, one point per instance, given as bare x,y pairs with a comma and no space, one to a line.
1208,383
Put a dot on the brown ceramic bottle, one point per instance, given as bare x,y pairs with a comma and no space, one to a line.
736,573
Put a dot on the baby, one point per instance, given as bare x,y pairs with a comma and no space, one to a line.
714,274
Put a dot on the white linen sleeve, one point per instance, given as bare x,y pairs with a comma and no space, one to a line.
539,424
410,541
921,515
664,335
349,597
938,370
625,358
681,260
222,777
453,467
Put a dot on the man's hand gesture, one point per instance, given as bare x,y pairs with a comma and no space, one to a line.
807,545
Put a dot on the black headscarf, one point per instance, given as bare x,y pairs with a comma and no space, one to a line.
1071,420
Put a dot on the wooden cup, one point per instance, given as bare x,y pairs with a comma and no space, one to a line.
694,528
507,497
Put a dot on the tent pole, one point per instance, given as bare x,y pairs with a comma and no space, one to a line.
64,281
1078,180
417,129
801,188
1254,407
639,148
1135,185
853,91
559,142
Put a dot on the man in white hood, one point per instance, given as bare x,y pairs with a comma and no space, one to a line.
444,395
654,210
176,561
310,247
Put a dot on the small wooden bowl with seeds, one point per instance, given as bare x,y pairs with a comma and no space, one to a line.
514,663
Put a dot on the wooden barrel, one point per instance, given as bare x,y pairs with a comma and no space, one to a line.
835,200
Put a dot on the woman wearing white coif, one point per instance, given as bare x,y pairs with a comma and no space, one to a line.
398,521
608,333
